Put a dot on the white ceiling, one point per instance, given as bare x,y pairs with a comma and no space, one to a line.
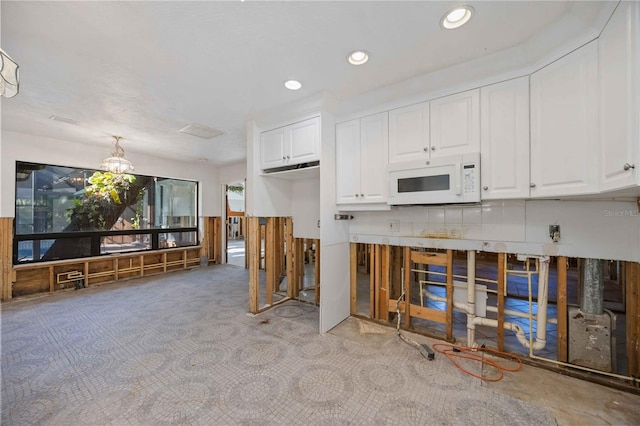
143,70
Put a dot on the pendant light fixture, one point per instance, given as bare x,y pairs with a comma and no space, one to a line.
117,163
9,76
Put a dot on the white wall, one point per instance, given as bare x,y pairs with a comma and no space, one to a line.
334,237
596,229
305,199
22,147
233,173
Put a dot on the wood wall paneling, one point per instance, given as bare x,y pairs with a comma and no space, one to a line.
6,257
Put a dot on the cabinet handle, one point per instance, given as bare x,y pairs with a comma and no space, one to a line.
433,148
357,195
533,185
284,157
628,166
362,195
288,157
485,187
425,149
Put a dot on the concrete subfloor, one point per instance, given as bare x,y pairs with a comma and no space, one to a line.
180,349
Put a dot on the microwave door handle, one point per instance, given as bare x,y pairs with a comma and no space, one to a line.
457,177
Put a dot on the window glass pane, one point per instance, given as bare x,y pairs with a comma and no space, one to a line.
175,203
123,243
34,250
44,196
177,239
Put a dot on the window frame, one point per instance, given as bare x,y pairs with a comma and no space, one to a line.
97,235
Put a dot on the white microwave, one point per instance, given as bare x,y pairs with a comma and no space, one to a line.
441,180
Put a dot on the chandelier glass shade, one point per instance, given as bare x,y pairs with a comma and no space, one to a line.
117,163
9,76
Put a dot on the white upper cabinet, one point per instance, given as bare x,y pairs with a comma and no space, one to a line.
409,133
504,134
564,125
361,160
619,72
272,152
455,124
374,148
303,139
348,162
445,126
290,145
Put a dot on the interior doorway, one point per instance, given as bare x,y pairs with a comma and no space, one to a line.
235,224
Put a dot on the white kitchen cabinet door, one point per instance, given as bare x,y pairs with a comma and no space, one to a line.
272,148
564,125
303,140
374,148
348,162
455,124
618,75
504,139
409,133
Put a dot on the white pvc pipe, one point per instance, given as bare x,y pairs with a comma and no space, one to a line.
471,297
541,315
543,299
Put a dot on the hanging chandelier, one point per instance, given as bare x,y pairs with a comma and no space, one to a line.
9,76
117,163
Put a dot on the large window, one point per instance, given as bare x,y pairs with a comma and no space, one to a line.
65,213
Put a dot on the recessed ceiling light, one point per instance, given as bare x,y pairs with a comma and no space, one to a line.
456,18
358,57
292,84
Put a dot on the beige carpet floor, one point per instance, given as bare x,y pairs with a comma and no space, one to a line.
181,349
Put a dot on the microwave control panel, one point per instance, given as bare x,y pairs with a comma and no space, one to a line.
469,178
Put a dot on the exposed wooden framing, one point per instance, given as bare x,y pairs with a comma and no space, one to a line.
429,314
317,271
212,239
632,284
205,243
449,312
385,264
372,280
298,258
396,272
282,246
407,287
501,293
427,258
561,265
52,279
6,256
51,276
253,249
86,274
290,254
353,277
270,258
278,251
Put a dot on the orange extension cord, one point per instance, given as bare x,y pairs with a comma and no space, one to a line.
475,354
